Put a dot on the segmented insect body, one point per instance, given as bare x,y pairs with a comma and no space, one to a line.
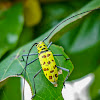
47,63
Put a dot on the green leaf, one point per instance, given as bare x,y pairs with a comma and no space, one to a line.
12,65
85,62
26,36
53,14
88,35
11,90
83,45
95,87
11,23
83,57
69,24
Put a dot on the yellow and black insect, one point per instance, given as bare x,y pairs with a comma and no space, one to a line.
46,59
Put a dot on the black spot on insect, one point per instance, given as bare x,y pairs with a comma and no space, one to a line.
45,69
43,45
56,75
44,56
52,60
46,74
52,71
43,48
43,63
50,77
49,62
54,66
40,46
48,55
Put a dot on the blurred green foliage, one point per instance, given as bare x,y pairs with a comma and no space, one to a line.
11,90
81,42
95,87
11,24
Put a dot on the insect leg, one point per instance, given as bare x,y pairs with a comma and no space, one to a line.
27,58
34,81
32,61
61,55
27,55
27,65
49,44
67,74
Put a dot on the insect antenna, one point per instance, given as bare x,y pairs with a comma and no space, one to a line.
65,21
26,66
